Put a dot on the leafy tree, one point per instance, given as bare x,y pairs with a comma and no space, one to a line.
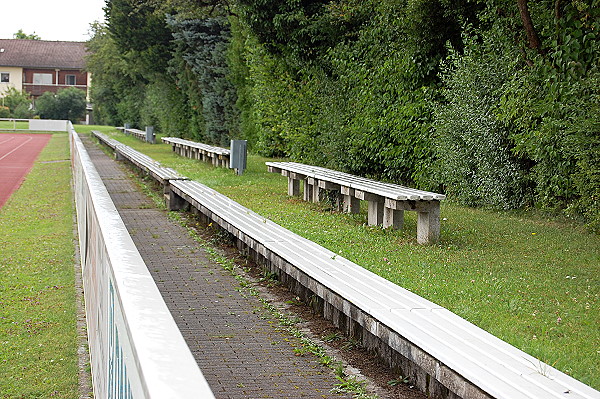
141,35
303,30
22,35
112,78
67,104
203,45
16,101
46,106
476,163
498,96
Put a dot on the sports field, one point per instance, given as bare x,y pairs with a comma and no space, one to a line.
17,154
38,335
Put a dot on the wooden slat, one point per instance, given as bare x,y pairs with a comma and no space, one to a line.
469,352
387,190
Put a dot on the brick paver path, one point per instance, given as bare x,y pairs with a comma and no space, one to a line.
241,353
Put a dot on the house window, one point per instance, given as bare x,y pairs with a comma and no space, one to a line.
42,78
70,80
4,77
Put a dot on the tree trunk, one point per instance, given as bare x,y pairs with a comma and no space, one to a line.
532,37
558,9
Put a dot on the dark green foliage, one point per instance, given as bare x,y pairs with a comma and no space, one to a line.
115,87
554,105
67,104
475,159
141,34
443,95
302,30
360,105
203,45
18,103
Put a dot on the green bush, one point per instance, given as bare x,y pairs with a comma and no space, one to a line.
554,106
475,159
23,111
4,112
18,102
68,104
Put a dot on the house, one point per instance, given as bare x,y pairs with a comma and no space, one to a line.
37,66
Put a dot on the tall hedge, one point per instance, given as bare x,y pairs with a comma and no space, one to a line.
493,104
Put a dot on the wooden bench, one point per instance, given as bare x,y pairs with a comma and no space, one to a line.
137,133
441,353
386,202
107,141
146,164
190,149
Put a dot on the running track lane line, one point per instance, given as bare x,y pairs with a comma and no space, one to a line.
7,140
16,148
14,169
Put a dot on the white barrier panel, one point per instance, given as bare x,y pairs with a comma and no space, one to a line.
49,125
136,349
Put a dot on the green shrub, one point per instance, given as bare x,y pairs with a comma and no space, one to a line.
475,159
68,104
23,111
15,99
554,106
4,112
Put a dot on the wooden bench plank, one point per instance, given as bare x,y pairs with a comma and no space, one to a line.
388,190
160,173
103,138
190,149
386,201
460,355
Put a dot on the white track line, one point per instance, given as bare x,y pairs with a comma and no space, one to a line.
16,148
7,140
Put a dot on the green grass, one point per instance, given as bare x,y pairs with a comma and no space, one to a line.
530,280
12,125
38,337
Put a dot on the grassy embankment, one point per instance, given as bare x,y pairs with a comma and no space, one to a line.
531,280
38,337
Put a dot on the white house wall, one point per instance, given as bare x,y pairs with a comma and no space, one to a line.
16,79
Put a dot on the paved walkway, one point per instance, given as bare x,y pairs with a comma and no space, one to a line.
241,353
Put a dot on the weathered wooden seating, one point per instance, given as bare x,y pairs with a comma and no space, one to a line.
153,168
441,353
386,202
107,141
137,133
190,149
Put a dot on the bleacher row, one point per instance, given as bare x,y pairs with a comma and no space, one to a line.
441,353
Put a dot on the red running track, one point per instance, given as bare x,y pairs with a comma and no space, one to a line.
18,152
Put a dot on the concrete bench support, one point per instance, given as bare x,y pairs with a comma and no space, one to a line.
351,202
428,217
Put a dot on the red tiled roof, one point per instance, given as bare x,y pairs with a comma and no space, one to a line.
42,54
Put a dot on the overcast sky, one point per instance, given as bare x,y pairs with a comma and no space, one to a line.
64,20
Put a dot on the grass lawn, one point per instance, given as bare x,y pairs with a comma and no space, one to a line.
531,280
14,125
38,337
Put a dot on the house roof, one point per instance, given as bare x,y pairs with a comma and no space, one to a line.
42,54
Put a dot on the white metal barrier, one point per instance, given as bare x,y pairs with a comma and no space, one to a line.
43,125
136,349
